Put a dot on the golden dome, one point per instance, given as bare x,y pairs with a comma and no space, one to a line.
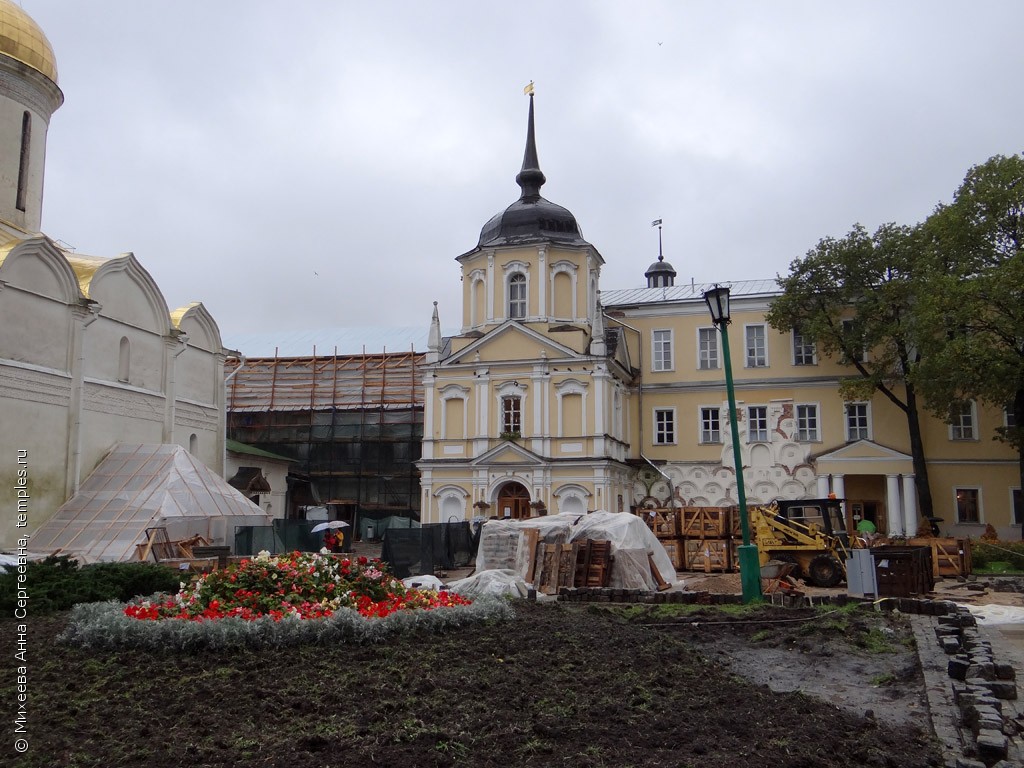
22,39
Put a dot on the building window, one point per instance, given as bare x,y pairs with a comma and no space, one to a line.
1015,506
664,426
517,296
511,415
853,342
707,349
1009,417
710,425
804,349
757,346
193,448
858,422
124,360
662,343
962,420
807,430
26,150
757,424
968,505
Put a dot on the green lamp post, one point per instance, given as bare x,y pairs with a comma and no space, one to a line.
750,565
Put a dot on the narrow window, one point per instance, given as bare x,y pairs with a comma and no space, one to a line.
1009,417
662,341
710,425
968,506
857,422
664,426
853,343
193,448
1018,510
26,148
517,296
961,422
124,355
757,346
807,423
707,342
804,349
757,424
511,415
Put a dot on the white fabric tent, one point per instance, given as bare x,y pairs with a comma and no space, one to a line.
137,487
632,541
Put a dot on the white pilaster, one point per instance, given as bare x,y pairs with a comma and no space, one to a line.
909,506
822,486
839,486
894,509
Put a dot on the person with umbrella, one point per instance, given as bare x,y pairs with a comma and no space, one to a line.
334,537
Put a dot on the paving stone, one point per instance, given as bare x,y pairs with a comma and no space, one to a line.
1003,689
1005,672
992,746
957,667
950,645
966,762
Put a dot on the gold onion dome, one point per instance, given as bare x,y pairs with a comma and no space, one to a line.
23,40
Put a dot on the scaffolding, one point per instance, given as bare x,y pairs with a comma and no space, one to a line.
352,423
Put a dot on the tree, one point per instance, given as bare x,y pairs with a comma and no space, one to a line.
975,305
855,297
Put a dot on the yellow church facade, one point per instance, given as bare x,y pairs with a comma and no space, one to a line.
557,396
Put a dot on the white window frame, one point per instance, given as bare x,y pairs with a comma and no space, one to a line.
661,350
517,302
813,347
704,360
753,360
1009,422
867,420
863,354
767,438
505,424
963,425
980,505
704,435
659,432
810,437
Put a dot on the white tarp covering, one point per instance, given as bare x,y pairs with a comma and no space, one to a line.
502,544
137,487
493,582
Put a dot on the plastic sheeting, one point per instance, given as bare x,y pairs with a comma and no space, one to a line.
494,582
137,487
502,545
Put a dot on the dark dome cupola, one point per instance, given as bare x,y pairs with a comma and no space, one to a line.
660,274
531,219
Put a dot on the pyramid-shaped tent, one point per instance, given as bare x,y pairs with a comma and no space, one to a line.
139,487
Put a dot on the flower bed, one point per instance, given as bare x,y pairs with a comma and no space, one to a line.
275,601
299,585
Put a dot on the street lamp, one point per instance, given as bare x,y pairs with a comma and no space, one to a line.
750,565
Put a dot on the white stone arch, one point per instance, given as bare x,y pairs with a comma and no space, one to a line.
452,502
35,266
563,266
572,498
572,387
195,320
119,284
454,392
510,269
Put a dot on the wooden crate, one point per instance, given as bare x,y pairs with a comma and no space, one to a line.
663,522
676,552
708,555
593,563
705,522
950,557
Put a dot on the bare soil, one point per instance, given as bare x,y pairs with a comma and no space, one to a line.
560,685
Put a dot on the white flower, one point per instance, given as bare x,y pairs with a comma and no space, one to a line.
263,555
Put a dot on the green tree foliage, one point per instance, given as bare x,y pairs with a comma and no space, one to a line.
975,302
855,297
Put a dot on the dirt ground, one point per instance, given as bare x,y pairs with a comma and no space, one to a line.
560,685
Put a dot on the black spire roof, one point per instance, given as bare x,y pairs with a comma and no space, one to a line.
531,219
660,274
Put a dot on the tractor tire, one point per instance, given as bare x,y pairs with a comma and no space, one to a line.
797,572
825,571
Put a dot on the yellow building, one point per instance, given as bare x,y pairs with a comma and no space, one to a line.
557,396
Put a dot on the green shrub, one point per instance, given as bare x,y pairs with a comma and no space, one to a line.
57,583
1004,556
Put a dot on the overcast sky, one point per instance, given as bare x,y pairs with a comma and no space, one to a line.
308,164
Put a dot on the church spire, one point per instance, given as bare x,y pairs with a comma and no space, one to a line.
530,179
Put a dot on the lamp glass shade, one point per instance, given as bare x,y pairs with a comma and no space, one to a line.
718,302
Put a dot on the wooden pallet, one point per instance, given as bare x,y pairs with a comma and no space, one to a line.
705,522
593,563
708,555
557,564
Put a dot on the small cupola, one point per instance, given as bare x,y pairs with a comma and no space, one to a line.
660,274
